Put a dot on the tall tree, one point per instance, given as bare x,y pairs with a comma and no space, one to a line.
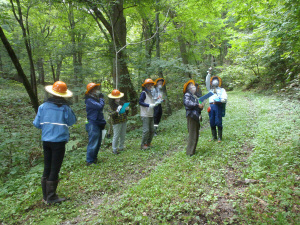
14,59
26,36
115,23
160,72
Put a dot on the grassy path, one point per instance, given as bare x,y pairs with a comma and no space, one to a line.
252,177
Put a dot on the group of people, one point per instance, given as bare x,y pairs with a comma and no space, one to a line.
55,116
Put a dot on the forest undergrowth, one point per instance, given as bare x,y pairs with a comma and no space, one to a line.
252,177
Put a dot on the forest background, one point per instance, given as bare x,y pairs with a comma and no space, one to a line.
250,45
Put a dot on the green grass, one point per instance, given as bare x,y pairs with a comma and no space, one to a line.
163,185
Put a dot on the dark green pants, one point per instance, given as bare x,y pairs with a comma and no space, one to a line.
193,128
148,130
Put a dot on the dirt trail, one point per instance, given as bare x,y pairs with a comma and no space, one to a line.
233,172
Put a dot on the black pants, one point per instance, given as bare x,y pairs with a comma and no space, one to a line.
157,114
54,153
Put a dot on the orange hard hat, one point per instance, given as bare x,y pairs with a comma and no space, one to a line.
148,81
160,79
116,94
90,86
59,88
216,77
186,84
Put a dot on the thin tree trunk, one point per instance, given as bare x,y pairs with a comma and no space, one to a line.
40,64
149,45
52,70
76,56
182,45
14,59
27,42
160,72
58,68
1,66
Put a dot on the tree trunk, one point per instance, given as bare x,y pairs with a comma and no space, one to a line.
149,45
117,31
25,32
77,61
160,72
40,64
58,68
14,59
125,83
1,67
182,45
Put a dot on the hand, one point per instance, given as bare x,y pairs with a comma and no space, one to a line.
119,108
151,106
223,100
201,106
127,108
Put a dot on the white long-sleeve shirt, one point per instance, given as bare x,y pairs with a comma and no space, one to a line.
220,93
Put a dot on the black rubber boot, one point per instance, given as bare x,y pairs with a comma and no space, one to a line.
52,197
214,133
220,129
155,131
43,182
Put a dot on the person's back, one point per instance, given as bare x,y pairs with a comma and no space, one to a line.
54,121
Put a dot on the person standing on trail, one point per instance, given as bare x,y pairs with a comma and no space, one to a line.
119,120
94,102
217,103
193,110
157,94
54,118
147,105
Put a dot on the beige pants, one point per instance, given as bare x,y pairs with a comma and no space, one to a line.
193,128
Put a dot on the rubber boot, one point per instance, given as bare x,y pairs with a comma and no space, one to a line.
214,133
43,182
155,130
220,129
52,197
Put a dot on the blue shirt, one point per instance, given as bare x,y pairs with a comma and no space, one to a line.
94,110
54,121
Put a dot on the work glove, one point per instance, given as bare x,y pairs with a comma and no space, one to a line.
127,108
223,100
151,106
119,108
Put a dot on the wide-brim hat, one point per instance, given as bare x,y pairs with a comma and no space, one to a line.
160,79
148,81
90,86
58,91
187,84
216,77
116,94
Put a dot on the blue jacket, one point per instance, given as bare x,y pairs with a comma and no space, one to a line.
94,110
191,104
54,121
